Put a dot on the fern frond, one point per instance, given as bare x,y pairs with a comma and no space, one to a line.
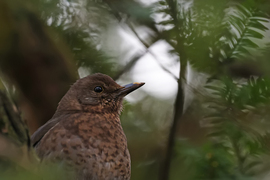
244,26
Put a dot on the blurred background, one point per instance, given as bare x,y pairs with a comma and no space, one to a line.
204,110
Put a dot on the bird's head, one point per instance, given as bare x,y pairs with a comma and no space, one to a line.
96,93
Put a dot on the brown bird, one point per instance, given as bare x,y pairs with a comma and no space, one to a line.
85,132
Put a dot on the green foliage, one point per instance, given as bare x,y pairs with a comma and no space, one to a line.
210,33
81,27
213,36
208,162
231,110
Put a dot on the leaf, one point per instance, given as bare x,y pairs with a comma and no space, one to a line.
243,10
162,3
258,25
254,34
163,10
167,22
212,87
237,21
239,26
242,50
252,165
262,19
248,43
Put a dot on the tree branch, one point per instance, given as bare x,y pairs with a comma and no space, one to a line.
134,60
178,112
148,46
179,102
130,64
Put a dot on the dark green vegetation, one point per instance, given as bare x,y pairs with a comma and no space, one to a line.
221,134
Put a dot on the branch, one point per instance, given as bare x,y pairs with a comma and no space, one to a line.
163,67
178,112
148,46
130,64
134,60
179,102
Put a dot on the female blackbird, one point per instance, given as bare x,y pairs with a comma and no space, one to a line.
85,132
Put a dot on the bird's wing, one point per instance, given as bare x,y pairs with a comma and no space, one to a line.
38,135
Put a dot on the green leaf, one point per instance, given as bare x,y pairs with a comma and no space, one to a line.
242,50
254,34
213,87
251,165
162,3
163,10
167,22
243,10
258,25
262,19
248,43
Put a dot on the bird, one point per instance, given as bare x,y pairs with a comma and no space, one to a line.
85,133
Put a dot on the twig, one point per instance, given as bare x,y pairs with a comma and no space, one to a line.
178,111
163,67
129,65
148,46
134,60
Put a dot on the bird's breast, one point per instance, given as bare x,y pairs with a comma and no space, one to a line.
106,148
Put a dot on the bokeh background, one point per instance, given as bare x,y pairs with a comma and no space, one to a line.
204,110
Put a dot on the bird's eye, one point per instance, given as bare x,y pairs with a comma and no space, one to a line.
98,89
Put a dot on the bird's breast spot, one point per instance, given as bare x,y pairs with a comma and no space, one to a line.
108,165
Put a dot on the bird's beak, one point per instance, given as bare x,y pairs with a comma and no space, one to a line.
129,88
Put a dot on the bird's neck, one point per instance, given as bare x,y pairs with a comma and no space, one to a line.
65,108
71,105
68,105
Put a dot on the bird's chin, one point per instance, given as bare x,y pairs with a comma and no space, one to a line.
104,107
113,106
